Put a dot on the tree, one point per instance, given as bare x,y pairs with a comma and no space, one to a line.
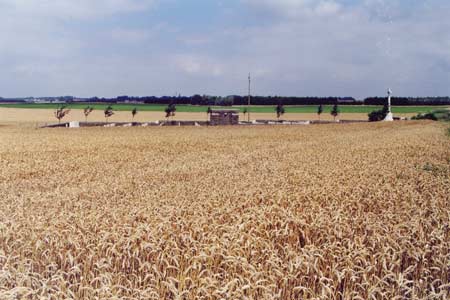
108,112
173,109
379,115
170,110
87,111
61,112
279,110
335,111
209,111
134,112
167,111
319,110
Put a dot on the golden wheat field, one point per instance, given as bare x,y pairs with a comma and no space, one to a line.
356,211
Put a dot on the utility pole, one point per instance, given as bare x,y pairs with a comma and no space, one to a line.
249,97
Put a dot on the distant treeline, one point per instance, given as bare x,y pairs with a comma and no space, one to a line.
242,100
405,101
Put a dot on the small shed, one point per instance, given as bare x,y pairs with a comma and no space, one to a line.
224,117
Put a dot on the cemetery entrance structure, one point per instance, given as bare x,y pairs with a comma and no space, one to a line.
224,117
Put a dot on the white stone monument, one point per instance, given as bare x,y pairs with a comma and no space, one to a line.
389,117
74,124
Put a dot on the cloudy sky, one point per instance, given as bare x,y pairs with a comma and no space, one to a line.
165,47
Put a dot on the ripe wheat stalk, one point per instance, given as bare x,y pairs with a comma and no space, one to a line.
321,212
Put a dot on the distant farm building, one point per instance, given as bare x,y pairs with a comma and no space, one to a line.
224,117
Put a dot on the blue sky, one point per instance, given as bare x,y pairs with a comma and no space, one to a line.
165,47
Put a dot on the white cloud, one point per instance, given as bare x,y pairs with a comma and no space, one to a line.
296,8
78,9
291,47
126,35
40,30
327,8
195,40
198,65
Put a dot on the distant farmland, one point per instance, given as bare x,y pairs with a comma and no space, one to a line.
256,109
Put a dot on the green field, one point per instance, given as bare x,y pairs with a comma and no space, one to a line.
257,109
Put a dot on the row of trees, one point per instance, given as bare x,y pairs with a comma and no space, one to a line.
280,110
170,110
206,100
335,111
62,111
405,101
